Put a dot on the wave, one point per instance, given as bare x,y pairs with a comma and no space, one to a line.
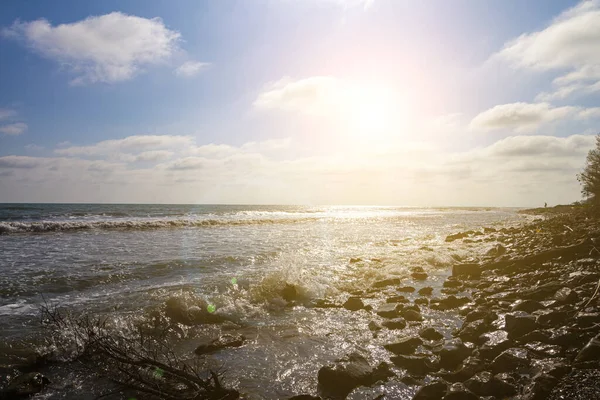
14,227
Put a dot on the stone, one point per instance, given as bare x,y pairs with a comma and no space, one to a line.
355,260
422,301
222,342
540,388
426,291
397,299
339,380
420,276
456,236
496,251
469,367
406,289
389,310
543,349
411,315
452,283
466,270
485,384
519,323
566,295
432,391
406,345
354,304
494,343
453,353
511,360
395,323
430,334
419,365
528,306
552,318
591,351
450,303
387,282
374,326
24,386
458,391
471,331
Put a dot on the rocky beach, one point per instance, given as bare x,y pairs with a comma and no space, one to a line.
519,320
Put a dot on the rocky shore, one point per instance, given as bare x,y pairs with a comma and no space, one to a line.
527,322
530,315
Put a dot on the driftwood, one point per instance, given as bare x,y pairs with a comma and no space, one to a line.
134,360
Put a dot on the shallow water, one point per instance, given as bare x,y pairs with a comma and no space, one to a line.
123,260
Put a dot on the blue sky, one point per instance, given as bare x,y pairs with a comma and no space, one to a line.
297,101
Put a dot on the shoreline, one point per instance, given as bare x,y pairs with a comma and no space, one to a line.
519,328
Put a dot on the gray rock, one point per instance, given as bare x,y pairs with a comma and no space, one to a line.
406,345
354,304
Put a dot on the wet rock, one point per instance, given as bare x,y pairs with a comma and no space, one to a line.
496,251
453,353
552,318
432,391
419,365
540,388
456,236
374,326
355,260
466,270
483,314
587,320
469,367
193,311
389,310
519,323
397,299
290,293
458,391
426,291
24,386
591,351
511,360
422,301
420,276
494,344
406,289
354,304
411,380
387,282
471,331
566,296
406,345
430,334
451,283
485,384
450,303
337,381
322,303
395,323
222,342
543,349
528,306
411,315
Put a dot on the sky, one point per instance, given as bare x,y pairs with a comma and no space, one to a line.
354,102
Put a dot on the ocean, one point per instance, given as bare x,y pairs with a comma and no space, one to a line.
126,260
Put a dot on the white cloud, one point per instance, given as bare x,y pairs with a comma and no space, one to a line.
108,48
522,117
7,113
190,68
154,156
570,43
314,95
13,129
130,144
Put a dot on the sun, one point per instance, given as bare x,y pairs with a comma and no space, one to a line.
373,112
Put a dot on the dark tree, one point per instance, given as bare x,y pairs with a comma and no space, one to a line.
590,177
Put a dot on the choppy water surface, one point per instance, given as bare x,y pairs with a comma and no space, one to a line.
126,259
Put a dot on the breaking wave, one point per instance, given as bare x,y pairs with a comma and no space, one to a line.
13,227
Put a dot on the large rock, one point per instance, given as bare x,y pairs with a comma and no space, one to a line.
387,282
354,304
458,391
430,333
338,380
519,323
389,310
453,353
411,315
566,295
419,365
25,386
222,342
485,384
591,351
494,343
511,360
426,291
466,270
395,323
527,306
406,345
432,391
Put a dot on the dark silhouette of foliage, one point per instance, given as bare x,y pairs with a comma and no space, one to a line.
590,176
